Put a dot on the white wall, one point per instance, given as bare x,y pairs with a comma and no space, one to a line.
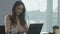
5,8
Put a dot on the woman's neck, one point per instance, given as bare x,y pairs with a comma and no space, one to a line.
17,17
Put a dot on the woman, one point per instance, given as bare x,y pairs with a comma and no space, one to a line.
16,19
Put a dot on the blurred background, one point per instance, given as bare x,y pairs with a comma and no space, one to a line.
37,11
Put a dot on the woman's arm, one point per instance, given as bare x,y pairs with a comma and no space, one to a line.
7,26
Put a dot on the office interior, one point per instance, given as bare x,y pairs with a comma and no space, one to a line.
37,11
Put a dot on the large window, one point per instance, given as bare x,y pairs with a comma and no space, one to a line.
36,12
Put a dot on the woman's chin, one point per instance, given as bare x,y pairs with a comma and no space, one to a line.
18,14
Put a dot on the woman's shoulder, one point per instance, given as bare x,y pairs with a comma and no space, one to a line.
8,18
9,15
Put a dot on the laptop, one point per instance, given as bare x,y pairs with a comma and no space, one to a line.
35,28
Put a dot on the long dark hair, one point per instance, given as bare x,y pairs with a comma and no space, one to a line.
21,16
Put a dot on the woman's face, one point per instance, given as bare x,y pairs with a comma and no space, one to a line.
19,9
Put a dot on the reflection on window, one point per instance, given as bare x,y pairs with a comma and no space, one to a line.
55,5
42,21
55,12
43,5
36,5
31,4
31,21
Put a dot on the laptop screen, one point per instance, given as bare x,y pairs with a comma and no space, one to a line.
35,28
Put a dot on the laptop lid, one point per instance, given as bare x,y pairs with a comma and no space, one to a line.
35,28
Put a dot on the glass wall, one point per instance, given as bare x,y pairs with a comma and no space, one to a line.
42,11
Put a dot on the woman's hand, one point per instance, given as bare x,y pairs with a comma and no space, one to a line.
20,28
